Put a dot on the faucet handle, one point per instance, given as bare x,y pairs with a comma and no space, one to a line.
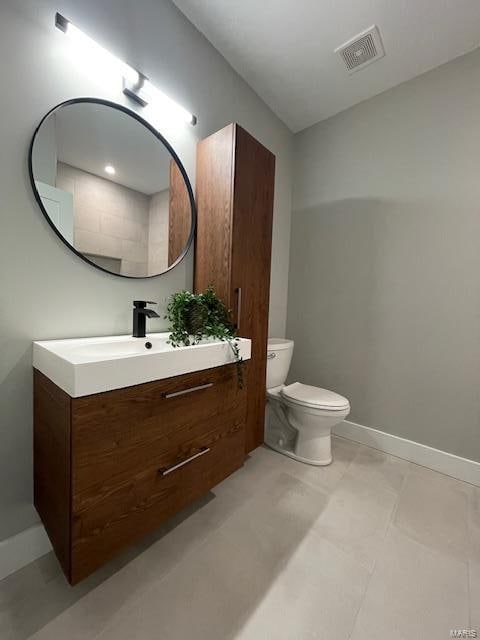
141,304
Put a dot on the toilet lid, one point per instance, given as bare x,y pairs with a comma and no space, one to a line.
309,396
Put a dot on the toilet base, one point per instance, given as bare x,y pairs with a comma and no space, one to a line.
291,454
311,446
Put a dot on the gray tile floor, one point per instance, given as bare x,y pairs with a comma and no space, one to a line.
371,547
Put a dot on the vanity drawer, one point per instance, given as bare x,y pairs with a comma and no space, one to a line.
129,509
119,433
134,464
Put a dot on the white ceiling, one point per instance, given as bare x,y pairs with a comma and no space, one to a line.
284,49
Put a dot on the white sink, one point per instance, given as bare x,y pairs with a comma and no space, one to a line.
92,365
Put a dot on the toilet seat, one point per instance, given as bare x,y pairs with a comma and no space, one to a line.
307,396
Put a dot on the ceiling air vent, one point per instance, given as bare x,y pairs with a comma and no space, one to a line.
362,50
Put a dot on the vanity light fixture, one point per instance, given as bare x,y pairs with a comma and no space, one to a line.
110,170
135,85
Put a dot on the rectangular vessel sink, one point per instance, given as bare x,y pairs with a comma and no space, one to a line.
92,365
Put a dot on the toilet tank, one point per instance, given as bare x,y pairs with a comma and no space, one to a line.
279,356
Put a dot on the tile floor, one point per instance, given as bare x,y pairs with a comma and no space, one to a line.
371,547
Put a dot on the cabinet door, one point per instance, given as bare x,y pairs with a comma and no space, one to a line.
251,255
213,250
235,186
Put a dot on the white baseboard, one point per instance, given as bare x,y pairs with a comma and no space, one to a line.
23,548
447,463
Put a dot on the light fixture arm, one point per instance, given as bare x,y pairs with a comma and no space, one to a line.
134,90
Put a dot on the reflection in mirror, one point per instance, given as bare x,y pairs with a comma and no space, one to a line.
112,189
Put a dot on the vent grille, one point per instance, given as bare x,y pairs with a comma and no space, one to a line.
359,52
362,50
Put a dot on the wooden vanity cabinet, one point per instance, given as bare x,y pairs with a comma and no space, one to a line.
234,189
110,467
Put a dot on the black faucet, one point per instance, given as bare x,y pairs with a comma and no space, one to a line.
140,313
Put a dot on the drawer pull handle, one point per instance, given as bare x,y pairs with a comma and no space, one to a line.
202,452
184,391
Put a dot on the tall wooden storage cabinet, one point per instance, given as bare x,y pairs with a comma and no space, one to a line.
235,188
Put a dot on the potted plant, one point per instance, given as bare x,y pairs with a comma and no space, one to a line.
198,316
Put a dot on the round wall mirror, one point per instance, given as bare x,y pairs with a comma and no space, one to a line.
112,188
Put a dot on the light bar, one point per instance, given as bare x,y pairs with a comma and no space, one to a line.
135,85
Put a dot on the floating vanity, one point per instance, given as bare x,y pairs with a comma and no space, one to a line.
127,432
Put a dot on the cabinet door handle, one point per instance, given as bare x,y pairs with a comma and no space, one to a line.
190,390
202,452
239,306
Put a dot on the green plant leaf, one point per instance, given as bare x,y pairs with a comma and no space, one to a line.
196,317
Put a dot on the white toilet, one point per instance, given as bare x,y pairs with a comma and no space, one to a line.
299,418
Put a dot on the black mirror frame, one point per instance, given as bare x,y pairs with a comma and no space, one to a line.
158,135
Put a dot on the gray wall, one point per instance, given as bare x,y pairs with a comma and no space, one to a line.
45,291
384,288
